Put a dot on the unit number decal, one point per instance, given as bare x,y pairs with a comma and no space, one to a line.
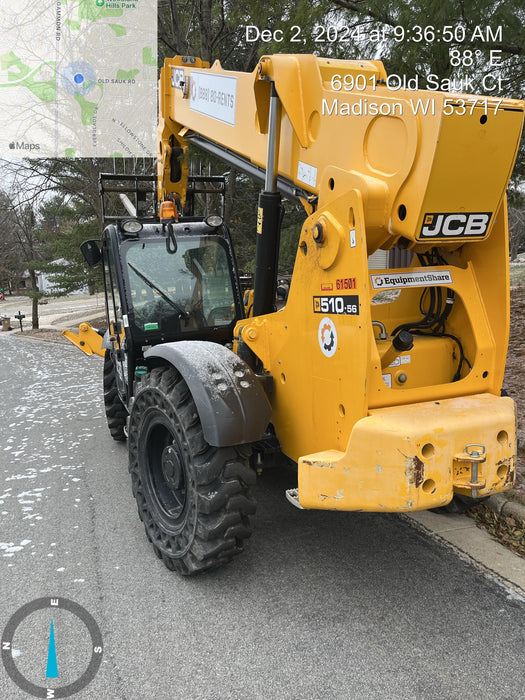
347,304
327,335
346,283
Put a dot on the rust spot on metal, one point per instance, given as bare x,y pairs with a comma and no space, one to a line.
511,475
338,496
510,463
319,463
415,471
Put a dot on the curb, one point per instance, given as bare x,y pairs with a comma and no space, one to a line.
26,336
501,505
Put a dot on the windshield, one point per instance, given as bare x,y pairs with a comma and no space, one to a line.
182,291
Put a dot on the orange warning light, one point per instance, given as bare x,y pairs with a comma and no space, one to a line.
167,210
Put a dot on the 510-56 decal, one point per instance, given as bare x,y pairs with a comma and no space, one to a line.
347,304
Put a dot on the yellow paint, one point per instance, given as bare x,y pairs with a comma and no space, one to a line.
87,340
379,179
403,432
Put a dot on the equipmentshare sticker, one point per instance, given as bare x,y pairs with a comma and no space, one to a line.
411,279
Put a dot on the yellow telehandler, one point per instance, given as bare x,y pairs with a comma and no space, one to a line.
382,385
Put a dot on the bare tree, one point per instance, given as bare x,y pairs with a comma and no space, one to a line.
516,231
11,267
19,225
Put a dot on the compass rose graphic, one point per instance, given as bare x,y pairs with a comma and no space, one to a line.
62,618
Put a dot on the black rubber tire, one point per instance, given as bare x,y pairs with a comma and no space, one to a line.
116,414
194,499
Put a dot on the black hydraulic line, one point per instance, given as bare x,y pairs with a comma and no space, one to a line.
176,156
434,320
171,241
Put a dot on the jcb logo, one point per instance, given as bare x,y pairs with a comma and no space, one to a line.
455,225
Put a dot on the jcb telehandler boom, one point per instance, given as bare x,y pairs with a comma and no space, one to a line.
383,386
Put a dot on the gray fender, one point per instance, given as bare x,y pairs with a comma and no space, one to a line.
231,402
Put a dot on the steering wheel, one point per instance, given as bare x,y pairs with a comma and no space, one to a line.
220,313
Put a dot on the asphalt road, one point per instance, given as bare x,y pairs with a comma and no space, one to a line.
321,605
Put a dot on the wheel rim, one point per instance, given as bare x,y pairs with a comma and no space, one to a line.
165,471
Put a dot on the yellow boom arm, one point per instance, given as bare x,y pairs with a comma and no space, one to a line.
408,152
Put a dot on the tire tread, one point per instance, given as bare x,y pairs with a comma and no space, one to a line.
116,414
222,479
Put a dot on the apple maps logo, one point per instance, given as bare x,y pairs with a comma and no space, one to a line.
23,146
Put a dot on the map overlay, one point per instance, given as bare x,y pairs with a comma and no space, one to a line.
78,78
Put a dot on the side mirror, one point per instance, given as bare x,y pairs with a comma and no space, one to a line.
91,252
283,288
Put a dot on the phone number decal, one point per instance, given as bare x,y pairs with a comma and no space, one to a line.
347,305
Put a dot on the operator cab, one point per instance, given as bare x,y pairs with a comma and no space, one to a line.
164,282
181,286
166,278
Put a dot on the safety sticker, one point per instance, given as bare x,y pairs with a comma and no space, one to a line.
401,360
411,279
177,78
327,287
387,378
327,337
151,326
347,304
455,225
306,173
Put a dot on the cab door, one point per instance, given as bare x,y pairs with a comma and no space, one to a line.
116,318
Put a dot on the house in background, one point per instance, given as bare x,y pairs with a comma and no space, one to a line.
47,284
45,281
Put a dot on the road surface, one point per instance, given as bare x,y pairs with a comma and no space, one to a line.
321,605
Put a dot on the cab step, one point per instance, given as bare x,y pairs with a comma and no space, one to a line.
292,495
